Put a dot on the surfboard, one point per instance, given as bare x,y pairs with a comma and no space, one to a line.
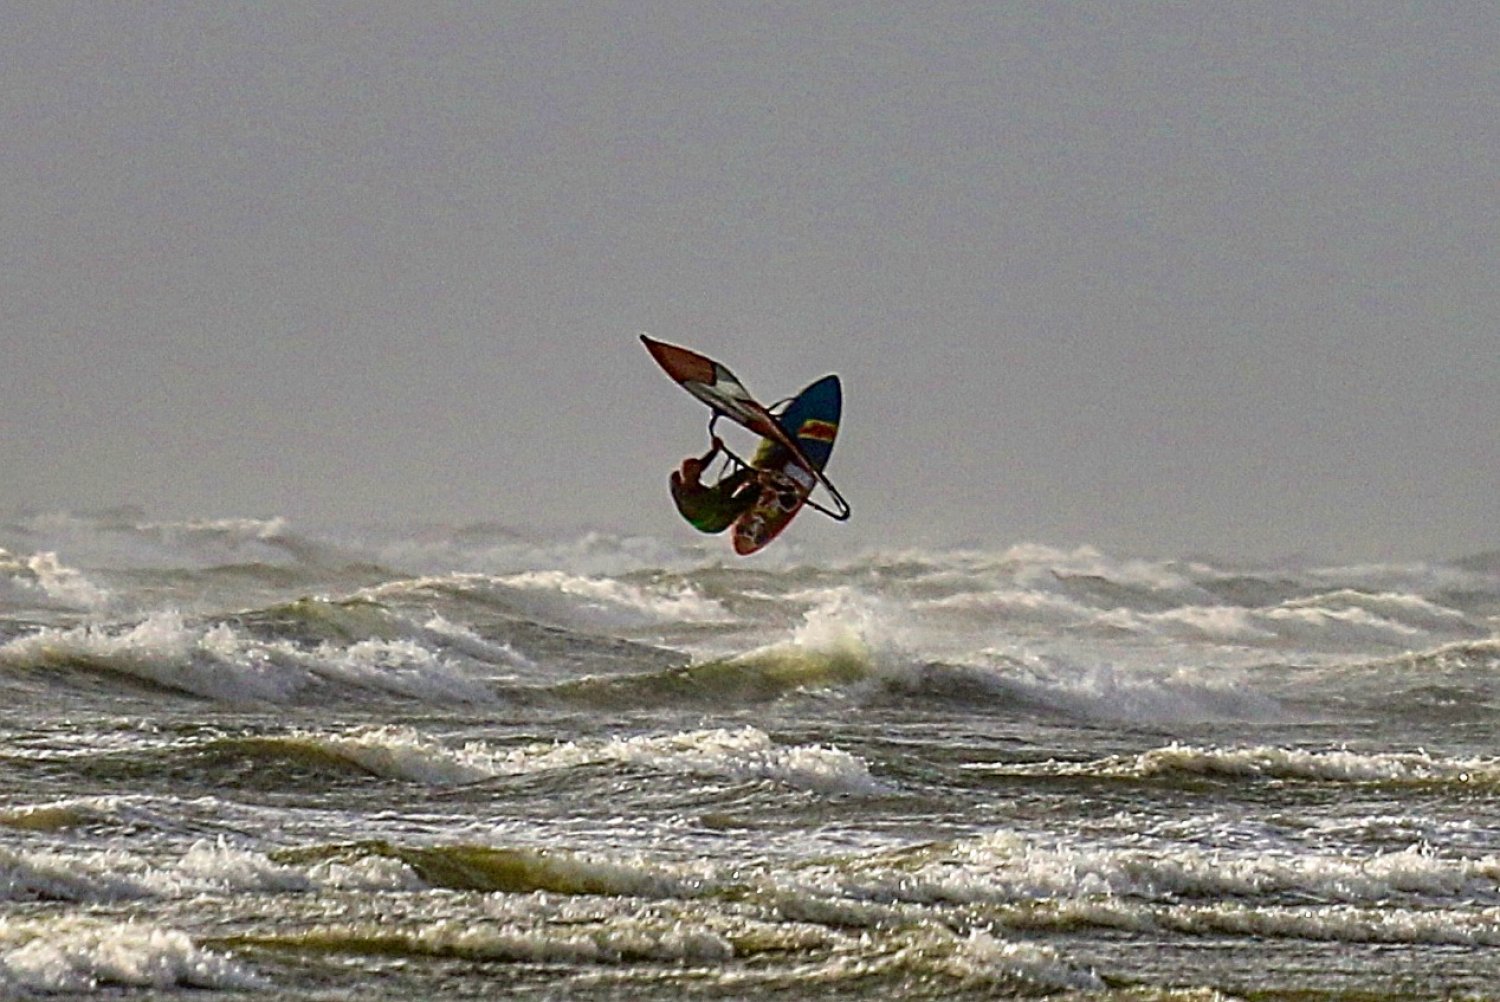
811,420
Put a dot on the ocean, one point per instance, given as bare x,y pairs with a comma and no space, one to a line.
253,759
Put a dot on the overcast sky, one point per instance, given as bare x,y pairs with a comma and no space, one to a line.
1165,278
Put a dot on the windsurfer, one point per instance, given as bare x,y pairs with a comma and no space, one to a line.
713,508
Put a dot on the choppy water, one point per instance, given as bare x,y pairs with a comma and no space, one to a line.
243,757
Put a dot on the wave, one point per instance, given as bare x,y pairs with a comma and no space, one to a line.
1086,596
1333,765
215,868
1407,896
489,869
850,644
358,647
411,641
940,910
1409,610
401,753
124,539
207,867
1051,687
1266,762
1338,620
131,812
41,581
1002,869
1359,924
1447,684
805,956
385,643
1001,882
759,676
622,940
127,539
608,622
167,652
601,603
1481,655
78,955
532,905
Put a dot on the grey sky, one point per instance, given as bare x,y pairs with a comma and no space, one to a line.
1166,277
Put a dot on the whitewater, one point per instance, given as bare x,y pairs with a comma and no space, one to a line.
249,758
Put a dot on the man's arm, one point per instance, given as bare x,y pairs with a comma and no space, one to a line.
708,457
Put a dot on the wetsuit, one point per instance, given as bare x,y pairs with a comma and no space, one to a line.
713,509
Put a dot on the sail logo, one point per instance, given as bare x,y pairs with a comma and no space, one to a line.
817,431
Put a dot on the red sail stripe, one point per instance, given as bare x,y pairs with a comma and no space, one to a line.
818,431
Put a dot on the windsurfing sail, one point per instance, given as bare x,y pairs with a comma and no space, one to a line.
722,390
715,385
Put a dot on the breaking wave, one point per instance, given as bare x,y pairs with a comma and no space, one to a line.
42,581
77,955
556,596
1009,873
206,868
401,753
167,651
1264,762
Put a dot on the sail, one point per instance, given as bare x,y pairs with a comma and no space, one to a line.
720,389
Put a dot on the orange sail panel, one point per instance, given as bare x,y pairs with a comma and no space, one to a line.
716,386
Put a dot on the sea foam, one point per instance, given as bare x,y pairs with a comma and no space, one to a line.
1335,765
737,755
220,661
41,580
77,955
1004,870
207,867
